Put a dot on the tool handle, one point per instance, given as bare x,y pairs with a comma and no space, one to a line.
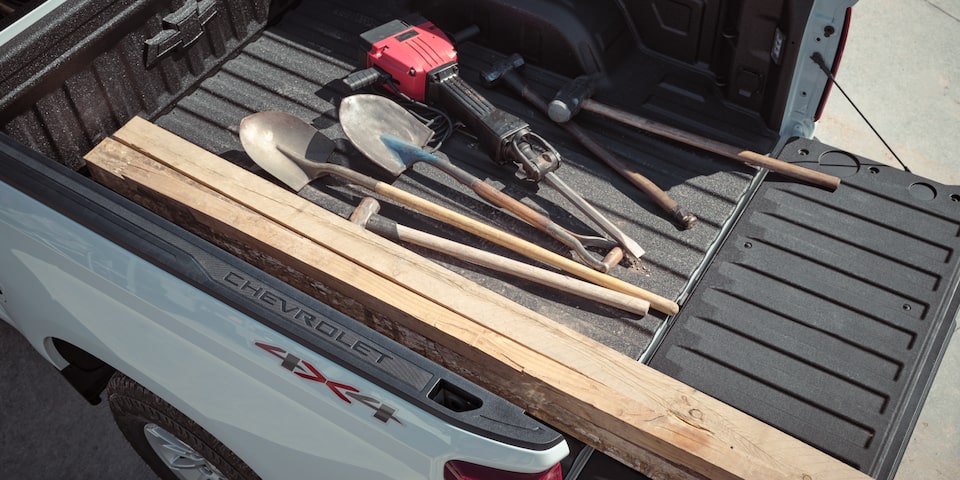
507,240
365,216
679,214
541,222
813,177
538,275
515,206
367,77
520,209
492,126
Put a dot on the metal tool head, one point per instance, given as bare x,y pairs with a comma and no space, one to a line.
368,118
267,135
492,76
567,102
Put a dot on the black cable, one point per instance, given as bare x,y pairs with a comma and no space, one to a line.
434,118
818,59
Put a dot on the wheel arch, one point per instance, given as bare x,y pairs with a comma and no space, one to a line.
85,372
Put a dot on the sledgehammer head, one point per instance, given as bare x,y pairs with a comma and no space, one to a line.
492,76
570,98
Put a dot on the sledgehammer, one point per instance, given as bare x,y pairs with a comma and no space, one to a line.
575,96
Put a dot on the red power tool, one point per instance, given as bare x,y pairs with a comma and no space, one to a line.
419,61
415,59
408,54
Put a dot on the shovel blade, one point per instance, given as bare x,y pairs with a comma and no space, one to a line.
367,118
266,136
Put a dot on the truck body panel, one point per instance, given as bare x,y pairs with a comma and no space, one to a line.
237,377
734,71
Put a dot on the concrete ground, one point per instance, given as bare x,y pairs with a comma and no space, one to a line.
48,431
901,68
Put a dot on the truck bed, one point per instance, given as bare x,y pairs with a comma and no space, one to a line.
822,314
295,66
850,394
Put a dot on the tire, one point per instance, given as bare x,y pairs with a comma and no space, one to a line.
150,425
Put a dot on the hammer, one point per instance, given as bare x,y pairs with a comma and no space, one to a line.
575,96
365,216
506,71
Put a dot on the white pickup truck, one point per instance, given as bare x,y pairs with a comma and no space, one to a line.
820,313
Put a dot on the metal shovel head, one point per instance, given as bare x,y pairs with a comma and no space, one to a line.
267,135
368,118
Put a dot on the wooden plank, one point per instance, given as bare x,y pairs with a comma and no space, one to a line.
244,232
643,418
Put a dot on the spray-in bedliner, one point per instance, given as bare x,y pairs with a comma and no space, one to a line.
295,66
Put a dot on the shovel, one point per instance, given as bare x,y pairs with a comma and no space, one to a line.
393,139
261,134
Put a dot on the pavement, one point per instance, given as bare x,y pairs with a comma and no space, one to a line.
901,68
48,431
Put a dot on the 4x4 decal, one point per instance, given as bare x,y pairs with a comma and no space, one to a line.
347,393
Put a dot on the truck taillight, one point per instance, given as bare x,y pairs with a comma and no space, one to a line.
457,470
836,64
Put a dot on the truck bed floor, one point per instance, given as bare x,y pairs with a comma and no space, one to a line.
295,65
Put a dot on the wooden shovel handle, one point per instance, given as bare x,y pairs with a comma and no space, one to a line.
527,214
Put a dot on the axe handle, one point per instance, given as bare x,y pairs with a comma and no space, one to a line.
806,175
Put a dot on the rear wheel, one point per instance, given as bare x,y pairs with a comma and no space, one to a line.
172,444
